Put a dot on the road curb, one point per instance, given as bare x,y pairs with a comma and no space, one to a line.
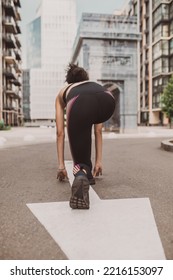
167,145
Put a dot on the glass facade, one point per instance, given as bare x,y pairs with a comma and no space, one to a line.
51,35
34,44
26,95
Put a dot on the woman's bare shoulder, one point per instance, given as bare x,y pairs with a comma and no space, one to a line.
59,97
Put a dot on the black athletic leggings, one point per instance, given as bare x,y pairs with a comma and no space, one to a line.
87,104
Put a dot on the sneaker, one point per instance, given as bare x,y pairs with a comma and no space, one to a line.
89,173
80,193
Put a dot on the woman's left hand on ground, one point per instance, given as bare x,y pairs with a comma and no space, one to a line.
62,175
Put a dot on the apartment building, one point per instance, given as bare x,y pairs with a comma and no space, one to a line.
156,55
10,63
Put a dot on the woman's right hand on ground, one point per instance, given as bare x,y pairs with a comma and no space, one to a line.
97,170
62,174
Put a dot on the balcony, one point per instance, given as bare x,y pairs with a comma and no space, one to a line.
10,56
19,93
10,41
18,55
18,29
17,3
9,8
9,108
18,17
18,69
10,73
156,105
18,43
17,82
13,91
11,88
10,25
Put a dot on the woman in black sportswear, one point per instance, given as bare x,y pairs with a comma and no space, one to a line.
87,103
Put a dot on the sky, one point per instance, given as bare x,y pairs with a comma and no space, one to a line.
96,6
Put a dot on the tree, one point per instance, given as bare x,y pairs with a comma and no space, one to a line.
167,100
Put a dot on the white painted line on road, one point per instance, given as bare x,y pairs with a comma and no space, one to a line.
122,229
2,141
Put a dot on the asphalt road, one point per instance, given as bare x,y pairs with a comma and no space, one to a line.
132,168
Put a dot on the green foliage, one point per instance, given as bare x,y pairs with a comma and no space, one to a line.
167,100
3,126
8,127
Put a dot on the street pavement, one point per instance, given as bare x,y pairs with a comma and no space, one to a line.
134,166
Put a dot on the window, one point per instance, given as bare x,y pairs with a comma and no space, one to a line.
157,51
165,47
171,46
155,3
161,13
161,48
165,30
165,65
157,67
171,27
161,30
157,33
171,64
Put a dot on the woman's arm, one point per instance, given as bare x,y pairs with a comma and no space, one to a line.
60,137
98,149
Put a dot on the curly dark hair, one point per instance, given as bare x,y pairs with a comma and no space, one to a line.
75,74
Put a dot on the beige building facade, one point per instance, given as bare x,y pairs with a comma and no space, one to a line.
155,19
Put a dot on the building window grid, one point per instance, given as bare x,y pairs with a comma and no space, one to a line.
163,49
159,84
160,14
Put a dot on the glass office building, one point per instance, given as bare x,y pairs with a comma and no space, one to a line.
34,44
50,39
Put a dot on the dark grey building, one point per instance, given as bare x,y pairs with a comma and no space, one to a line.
34,44
108,47
26,95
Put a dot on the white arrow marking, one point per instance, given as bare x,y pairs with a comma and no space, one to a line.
122,229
